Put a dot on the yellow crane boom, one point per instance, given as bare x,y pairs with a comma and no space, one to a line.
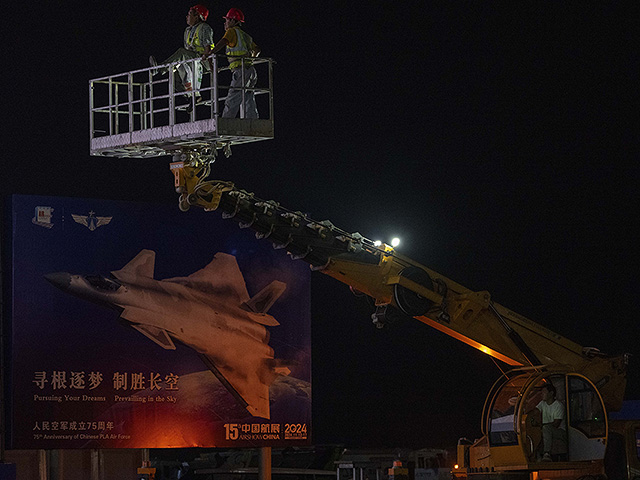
401,286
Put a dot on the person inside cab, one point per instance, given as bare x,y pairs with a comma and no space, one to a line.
554,426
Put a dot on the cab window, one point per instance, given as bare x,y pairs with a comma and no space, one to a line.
586,412
502,420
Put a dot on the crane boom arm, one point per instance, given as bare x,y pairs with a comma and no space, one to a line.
396,282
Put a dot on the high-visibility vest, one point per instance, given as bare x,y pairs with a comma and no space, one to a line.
243,43
192,39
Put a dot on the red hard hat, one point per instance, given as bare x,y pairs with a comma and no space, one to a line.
235,14
202,11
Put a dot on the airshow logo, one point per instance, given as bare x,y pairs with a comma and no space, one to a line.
91,221
43,217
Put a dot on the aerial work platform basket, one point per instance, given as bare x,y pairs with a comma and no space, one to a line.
139,114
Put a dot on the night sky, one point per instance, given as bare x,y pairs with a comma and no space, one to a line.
498,140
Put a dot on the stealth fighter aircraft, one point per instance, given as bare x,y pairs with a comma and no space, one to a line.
209,311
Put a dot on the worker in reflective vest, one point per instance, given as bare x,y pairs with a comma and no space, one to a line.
240,49
198,42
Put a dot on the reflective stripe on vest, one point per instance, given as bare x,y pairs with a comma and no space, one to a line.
243,42
193,41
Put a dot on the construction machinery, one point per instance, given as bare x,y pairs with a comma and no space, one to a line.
588,382
134,115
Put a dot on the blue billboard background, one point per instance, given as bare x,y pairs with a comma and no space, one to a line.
83,378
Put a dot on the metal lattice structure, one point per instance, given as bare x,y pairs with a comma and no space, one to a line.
139,114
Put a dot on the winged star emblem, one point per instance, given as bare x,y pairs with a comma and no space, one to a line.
91,221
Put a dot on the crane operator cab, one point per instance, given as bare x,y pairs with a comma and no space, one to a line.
543,417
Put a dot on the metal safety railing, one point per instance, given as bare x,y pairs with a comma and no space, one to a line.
144,112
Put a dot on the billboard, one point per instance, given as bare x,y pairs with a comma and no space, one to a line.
139,326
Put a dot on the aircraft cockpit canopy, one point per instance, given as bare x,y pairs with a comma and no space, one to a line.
102,283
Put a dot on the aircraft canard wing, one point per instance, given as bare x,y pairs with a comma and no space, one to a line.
142,265
157,335
221,275
248,390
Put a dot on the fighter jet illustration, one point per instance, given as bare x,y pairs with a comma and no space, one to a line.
209,311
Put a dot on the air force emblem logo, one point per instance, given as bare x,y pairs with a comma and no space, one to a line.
91,221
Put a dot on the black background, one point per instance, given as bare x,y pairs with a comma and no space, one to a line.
498,140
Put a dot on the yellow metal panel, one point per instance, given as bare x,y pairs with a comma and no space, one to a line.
509,455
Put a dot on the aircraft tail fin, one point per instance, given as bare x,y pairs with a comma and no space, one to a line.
258,405
257,395
142,265
262,301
